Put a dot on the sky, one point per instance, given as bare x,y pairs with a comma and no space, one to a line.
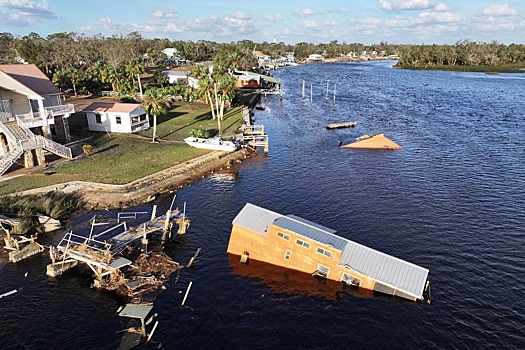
288,21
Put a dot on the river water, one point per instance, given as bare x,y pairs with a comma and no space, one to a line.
452,201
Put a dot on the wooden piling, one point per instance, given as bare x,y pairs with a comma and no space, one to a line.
186,295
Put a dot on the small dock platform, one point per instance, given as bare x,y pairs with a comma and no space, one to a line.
341,125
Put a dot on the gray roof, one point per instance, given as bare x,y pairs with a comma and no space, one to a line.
386,269
255,218
311,230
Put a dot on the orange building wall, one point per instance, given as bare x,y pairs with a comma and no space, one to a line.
272,249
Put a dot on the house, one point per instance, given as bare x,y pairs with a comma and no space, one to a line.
116,117
315,58
175,76
298,244
250,80
32,117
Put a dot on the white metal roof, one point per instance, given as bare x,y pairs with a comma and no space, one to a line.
391,271
255,218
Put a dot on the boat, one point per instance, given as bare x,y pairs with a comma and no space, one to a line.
341,125
216,144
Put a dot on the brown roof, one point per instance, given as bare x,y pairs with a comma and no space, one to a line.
111,107
31,77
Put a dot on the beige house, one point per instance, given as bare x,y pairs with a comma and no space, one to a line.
32,117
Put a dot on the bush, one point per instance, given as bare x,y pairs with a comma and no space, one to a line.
88,149
200,133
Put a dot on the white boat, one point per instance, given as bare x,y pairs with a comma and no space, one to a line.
215,144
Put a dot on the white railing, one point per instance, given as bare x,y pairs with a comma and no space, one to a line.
8,159
7,133
54,147
59,110
22,126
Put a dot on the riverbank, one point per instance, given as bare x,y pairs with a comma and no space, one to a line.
100,195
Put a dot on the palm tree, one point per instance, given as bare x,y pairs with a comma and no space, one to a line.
155,104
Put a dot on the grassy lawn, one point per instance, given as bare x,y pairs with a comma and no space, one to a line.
121,159
183,117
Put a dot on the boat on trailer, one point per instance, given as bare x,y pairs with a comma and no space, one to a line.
216,144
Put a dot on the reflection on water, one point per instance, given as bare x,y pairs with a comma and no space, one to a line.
291,282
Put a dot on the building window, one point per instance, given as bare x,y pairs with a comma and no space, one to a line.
118,119
350,280
98,118
324,252
283,236
302,243
323,270
287,255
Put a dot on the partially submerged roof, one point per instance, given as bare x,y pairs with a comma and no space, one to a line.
136,310
27,79
112,107
375,142
255,219
311,230
386,269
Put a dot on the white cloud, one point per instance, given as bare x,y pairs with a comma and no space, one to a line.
309,24
163,14
305,12
498,11
439,17
405,5
274,18
23,13
172,27
441,7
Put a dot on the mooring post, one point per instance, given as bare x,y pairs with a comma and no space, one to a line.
153,212
186,295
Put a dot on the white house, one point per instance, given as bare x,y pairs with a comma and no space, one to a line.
32,117
174,76
116,117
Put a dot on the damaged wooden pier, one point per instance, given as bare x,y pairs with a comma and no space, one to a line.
109,252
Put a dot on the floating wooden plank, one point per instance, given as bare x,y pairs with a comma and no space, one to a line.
8,293
341,125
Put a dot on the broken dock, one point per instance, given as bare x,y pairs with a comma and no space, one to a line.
341,125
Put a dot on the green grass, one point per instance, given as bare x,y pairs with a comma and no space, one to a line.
183,117
119,159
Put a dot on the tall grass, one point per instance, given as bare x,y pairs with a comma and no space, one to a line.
57,205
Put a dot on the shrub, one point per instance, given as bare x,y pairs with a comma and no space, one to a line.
88,149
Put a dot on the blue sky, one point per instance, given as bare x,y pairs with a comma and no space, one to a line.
288,21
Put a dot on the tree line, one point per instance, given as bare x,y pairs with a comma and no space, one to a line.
94,63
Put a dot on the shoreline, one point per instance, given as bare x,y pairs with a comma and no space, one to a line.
99,195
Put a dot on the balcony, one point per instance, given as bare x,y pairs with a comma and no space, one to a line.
36,119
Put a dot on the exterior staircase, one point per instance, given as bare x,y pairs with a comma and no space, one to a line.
22,139
9,159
